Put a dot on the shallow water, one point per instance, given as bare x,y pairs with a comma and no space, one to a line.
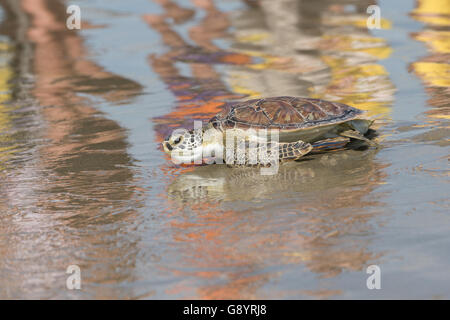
84,180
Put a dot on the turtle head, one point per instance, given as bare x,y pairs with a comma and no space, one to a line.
184,146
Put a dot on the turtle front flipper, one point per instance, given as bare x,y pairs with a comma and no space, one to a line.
358,136
264,154
293,150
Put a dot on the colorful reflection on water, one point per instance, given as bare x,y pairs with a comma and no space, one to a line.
84,180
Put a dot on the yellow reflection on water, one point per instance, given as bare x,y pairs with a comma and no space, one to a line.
433,12
339,64
5,118
433,73
356,76
434,69
357,21
350,85
436,40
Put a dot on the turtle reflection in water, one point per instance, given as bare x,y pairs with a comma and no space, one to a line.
303,125
319,172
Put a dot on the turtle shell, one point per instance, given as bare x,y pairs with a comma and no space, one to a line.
288,113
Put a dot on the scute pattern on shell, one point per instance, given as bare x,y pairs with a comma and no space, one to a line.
283,113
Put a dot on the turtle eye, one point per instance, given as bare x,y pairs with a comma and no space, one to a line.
177,140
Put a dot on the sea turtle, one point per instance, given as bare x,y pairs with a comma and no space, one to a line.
302,123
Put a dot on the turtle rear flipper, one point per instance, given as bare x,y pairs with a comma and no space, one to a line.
358,136
293,150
